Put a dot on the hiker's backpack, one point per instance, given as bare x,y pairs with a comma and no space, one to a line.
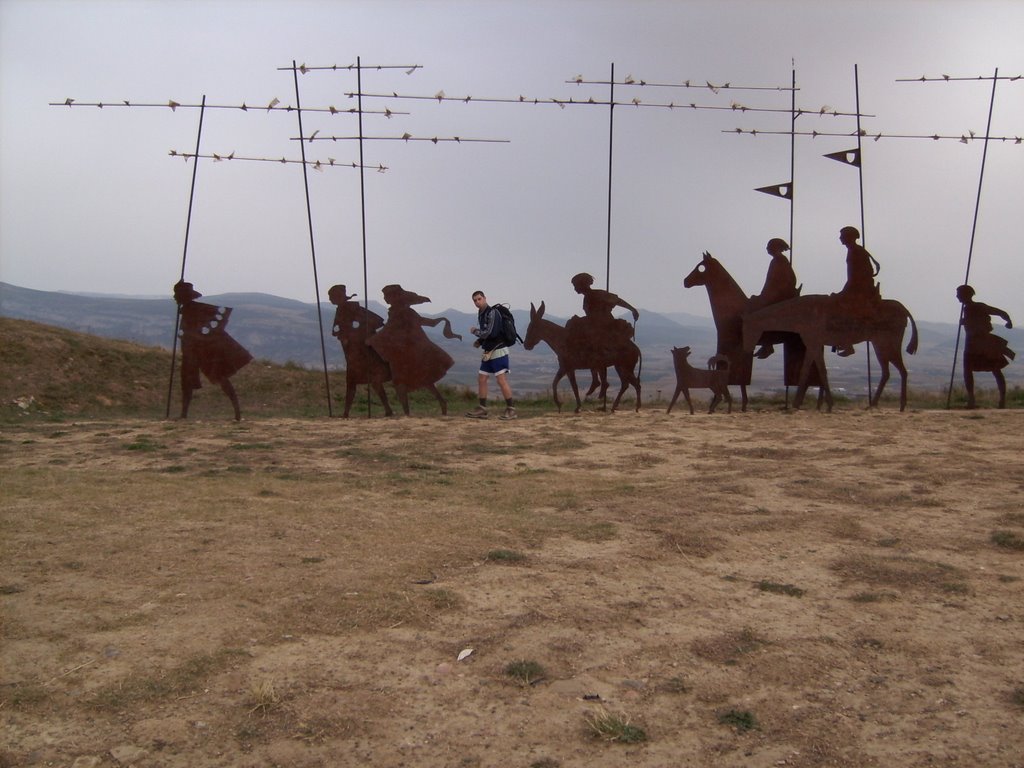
508,335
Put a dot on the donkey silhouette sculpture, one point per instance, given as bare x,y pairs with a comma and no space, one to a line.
829,321
623,359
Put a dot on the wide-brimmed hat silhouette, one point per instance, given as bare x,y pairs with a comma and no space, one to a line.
184,292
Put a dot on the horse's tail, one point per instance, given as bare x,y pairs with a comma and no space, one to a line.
912,345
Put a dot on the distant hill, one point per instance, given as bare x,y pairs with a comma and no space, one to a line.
285,331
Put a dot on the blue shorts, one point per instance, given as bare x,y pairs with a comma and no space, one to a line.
495,361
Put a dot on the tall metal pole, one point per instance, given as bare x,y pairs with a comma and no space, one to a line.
362,203
312,242
792,161
974,229
184,255
611,147
860,176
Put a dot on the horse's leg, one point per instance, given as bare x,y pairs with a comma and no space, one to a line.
728,398
805,376
902,370
378,387
403,397
825,388
595,382
743,399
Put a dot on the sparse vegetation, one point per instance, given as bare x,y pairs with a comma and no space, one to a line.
614,727
1008,540
780,589
740,720
525,672
507,556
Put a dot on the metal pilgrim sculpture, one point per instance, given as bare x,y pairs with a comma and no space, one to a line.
855,314
353,326
415,361
729,304
206,347
983,350
595,342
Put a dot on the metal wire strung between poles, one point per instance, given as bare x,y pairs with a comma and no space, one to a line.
316,164
405,137
965,138
949,79
273,106
304,69
734,107
707,85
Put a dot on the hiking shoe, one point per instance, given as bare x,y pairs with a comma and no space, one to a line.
477,413
510,413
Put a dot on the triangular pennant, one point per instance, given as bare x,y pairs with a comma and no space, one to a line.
849,156
778,190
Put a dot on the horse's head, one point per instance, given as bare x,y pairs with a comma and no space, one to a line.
699,275
533,329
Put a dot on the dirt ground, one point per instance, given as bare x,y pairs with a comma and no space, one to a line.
758,589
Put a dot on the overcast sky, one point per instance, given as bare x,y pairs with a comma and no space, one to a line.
92,201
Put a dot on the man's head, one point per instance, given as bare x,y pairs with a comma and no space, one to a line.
776,246
479,299
849,235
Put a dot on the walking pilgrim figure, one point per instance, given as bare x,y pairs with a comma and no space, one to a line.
983,350
416,362
206,347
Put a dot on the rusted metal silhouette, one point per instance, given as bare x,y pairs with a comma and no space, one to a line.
728,305
860,297
623,358
353,326
206,347
554,335
829,321
983,350
415,361
715,378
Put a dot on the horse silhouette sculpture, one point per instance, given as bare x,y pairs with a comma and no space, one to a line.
728,305
353,326
715,378
829,321
623,359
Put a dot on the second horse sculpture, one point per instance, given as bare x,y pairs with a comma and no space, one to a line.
824,321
